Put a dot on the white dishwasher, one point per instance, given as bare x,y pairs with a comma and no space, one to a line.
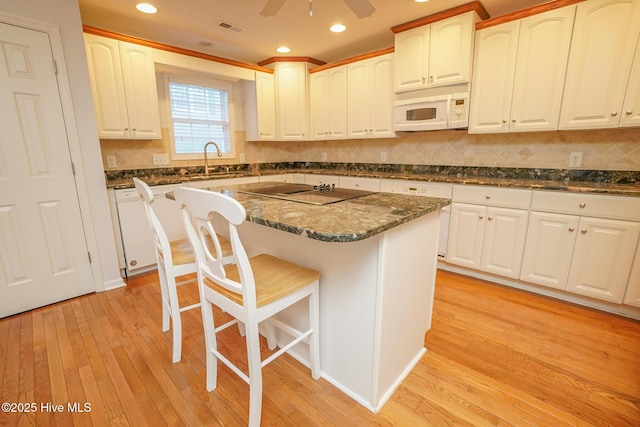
430,189
137,240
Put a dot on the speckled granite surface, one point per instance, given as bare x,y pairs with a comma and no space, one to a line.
345,221
592,181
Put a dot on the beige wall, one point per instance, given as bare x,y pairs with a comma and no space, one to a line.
611,149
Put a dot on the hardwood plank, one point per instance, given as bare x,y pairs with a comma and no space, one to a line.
496,357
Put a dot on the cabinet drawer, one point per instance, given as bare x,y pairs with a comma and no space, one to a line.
492,196
595,205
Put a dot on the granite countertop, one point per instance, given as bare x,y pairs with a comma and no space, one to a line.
345,221
625,183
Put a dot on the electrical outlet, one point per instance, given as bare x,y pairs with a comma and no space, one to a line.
111,161
575,160
160,159
242,158
383,156
324,157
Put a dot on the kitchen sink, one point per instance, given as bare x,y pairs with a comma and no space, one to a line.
303,193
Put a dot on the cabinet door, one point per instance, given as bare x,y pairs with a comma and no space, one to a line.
337,104
266,106
602,49
503,244
381,99
329,103
291,80
632,295
466,232
493,76
603,257
358,99
543,50
107,87
319,93
631,107
141,92
548,250
451,50
411,59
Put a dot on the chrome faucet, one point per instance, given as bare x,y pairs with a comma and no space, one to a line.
206,161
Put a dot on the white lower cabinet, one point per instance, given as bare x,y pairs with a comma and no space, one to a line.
489,233
587,255
632,296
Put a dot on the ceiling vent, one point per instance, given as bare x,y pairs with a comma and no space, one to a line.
230,26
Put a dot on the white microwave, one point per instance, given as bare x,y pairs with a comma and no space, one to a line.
449,111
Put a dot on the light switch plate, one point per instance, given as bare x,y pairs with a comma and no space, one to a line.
575,160
111,161
160,159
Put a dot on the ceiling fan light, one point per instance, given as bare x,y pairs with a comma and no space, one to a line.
283,49
337,28
146,8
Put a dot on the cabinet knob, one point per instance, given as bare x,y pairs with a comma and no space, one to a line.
513,120
628,113
488,196
583,231
481,217
582,205
571,229
615,113
490,218
504,121
431,78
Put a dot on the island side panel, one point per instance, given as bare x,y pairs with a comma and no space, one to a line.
348,296
408,263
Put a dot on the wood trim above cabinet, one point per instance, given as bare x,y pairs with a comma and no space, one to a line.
535,10
275,59
168,48
474,6
353,59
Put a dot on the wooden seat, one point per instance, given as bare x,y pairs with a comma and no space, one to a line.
252,290
174,259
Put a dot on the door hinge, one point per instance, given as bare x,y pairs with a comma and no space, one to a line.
55,67
89,255
73,169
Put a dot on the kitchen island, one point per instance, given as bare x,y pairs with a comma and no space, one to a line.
377,259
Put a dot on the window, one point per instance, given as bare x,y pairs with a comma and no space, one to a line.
199,114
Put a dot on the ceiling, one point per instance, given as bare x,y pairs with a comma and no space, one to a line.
194,25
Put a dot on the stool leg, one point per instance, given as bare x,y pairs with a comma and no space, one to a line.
210,344
255,375
314,339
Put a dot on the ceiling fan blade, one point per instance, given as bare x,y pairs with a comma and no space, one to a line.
272,7
362,8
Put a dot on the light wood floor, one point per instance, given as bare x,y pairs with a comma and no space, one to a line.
496,356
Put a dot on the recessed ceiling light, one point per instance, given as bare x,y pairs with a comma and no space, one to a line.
421,1
283,49
146,8
337,28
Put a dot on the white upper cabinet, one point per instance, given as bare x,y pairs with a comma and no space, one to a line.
124,89
602,49
261,125
291,101
438,54
519,73
631,108
370,98
329,103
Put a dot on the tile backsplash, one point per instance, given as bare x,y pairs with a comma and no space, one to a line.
607,149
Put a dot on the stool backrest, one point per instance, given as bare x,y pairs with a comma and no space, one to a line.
160,239
198,208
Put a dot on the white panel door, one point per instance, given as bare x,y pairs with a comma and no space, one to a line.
543,51
504,236
549,247
631,108
493,75
601,54
43,252
603,258
466,234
